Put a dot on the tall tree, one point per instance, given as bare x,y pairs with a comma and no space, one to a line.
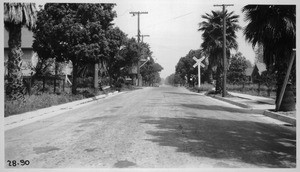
212,36
274,27
129,55
16,15
116,42
185,69
237,68
150,72
75,32
174,79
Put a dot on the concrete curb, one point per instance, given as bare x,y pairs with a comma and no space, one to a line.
28,117
231,102
280,117
268,113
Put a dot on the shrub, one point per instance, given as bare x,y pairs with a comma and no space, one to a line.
85,82
44,100
203,87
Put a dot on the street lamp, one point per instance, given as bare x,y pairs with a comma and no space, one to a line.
145,61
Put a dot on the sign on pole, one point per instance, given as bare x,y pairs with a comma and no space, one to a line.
198,63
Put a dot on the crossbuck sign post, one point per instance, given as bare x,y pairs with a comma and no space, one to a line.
198,63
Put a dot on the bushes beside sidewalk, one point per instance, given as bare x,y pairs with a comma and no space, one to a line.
251,89
35,102
202,88
39,101
43,100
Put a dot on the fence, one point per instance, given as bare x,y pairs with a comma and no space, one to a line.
57,82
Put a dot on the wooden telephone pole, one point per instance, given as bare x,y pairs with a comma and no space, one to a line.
144,36
138,13
224,47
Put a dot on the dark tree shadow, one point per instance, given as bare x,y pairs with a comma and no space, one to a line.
251,142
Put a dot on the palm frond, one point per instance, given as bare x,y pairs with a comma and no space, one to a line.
212,35
20,13
273,26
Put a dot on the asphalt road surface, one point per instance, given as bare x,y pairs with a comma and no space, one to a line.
161,127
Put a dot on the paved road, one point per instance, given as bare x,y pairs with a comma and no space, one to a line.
154,127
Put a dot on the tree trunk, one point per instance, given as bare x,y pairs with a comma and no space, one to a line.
44,82
110,78
14,87
74,83
55,75
63,84
219,80
269,90
96,84
210,74
189,80
258,89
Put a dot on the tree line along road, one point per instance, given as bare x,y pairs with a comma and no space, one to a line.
160,127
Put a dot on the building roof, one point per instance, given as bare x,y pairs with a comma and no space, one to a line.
261,67
27,38
249,71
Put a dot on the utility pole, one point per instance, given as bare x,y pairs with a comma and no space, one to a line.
224,47
138,13
138,24
285,80
144,36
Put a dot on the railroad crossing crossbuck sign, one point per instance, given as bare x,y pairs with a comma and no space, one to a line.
198,63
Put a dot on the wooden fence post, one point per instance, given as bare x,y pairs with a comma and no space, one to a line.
43,83
63,84
30,80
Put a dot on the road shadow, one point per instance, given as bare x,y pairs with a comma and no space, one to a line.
261,144
183,94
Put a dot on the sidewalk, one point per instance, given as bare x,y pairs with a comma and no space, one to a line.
254,102
263,100
259,104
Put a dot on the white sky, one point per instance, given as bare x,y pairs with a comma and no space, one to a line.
173,24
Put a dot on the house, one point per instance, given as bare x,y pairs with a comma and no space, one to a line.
29,56
254,73
248,73
258,69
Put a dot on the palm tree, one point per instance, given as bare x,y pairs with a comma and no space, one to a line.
274,27
212,37
16,15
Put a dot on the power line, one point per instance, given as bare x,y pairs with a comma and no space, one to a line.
174,18
181,16
124,12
